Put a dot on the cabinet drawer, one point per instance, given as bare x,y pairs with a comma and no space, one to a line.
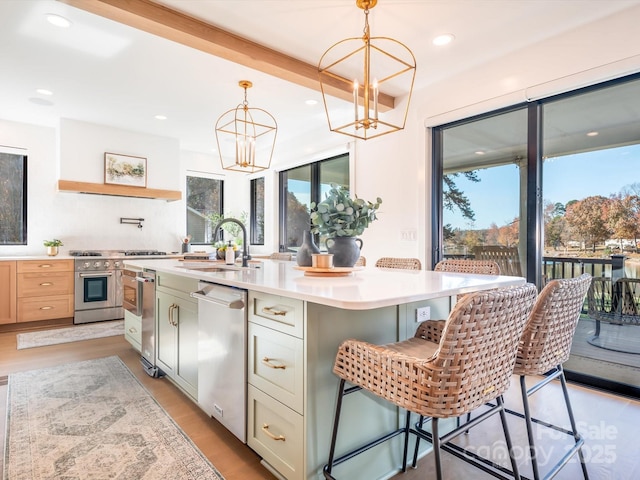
133,330
39,266
45,284
280,313
45,308
276,365
275,433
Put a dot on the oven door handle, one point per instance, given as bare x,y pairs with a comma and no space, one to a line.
103,274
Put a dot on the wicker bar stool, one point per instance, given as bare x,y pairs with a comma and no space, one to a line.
432,329
544,346
399,262
470,366
482,267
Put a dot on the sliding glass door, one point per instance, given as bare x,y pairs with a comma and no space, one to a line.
556,180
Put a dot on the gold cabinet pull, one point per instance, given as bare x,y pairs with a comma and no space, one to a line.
46,284
273,311
267,362
265,429
45,265
173,309
133,330
46,308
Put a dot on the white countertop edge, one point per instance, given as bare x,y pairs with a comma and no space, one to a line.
365,289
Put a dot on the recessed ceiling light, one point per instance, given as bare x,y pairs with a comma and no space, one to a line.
311,102
160,117
479,152
592,134
443,39
44,91
58,20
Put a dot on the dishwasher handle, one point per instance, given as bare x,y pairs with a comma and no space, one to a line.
235,304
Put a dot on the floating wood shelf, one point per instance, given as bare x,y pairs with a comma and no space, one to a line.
118,190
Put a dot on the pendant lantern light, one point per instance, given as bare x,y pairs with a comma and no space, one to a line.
375,69
246,136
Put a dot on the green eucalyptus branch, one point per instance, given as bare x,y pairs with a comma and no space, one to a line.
339,215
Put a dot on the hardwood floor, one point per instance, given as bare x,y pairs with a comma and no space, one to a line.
609,423
231,457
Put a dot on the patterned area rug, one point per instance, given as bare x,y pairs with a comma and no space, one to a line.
94,420
70,334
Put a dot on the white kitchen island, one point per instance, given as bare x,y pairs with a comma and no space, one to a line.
295,324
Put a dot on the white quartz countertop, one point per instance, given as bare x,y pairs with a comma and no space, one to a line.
367,288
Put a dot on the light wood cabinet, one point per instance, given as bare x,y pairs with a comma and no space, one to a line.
7,292
44,289
177,331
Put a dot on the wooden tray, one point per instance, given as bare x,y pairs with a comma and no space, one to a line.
327,272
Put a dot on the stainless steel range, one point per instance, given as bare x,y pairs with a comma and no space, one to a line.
98,283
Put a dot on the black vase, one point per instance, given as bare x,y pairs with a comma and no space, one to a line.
308,247
346,250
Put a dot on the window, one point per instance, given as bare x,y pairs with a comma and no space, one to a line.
256,226
299,187
566,167
204,199
485,155
13,199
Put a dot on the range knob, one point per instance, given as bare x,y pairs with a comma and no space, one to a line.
86,265
106,264
116,264
96,264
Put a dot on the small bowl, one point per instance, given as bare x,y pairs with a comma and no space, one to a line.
322,260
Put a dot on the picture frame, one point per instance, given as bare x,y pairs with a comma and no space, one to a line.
126,170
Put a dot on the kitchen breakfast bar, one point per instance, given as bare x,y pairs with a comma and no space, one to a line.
293,325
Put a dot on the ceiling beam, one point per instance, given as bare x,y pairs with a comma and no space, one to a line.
167,23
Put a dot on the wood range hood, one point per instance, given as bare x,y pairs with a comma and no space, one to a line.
118,190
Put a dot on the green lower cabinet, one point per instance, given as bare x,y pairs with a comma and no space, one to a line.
177,330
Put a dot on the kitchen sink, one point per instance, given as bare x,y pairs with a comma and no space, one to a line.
217,268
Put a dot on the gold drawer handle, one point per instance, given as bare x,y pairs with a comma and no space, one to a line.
273,311
45,265
46,308
46,284
267,362
265,429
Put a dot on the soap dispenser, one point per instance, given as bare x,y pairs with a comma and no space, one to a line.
230,255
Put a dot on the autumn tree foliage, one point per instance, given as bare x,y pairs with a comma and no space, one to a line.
588,220
623,217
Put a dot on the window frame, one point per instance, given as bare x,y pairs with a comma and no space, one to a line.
25,172
221,200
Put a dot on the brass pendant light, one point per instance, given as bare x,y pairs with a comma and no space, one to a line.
373,68
246,136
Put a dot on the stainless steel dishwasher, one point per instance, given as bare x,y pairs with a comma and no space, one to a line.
222,355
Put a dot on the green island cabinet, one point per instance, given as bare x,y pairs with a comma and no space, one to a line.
177,331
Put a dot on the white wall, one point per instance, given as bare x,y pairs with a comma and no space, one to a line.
93,221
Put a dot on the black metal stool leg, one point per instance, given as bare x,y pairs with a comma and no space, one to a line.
574,430
414,463
436,447
334,435
407,431
527,418
507,437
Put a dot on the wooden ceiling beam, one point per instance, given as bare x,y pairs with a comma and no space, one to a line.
167,23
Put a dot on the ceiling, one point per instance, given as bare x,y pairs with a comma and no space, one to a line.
105,72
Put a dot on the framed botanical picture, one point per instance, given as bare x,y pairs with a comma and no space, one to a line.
125,170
